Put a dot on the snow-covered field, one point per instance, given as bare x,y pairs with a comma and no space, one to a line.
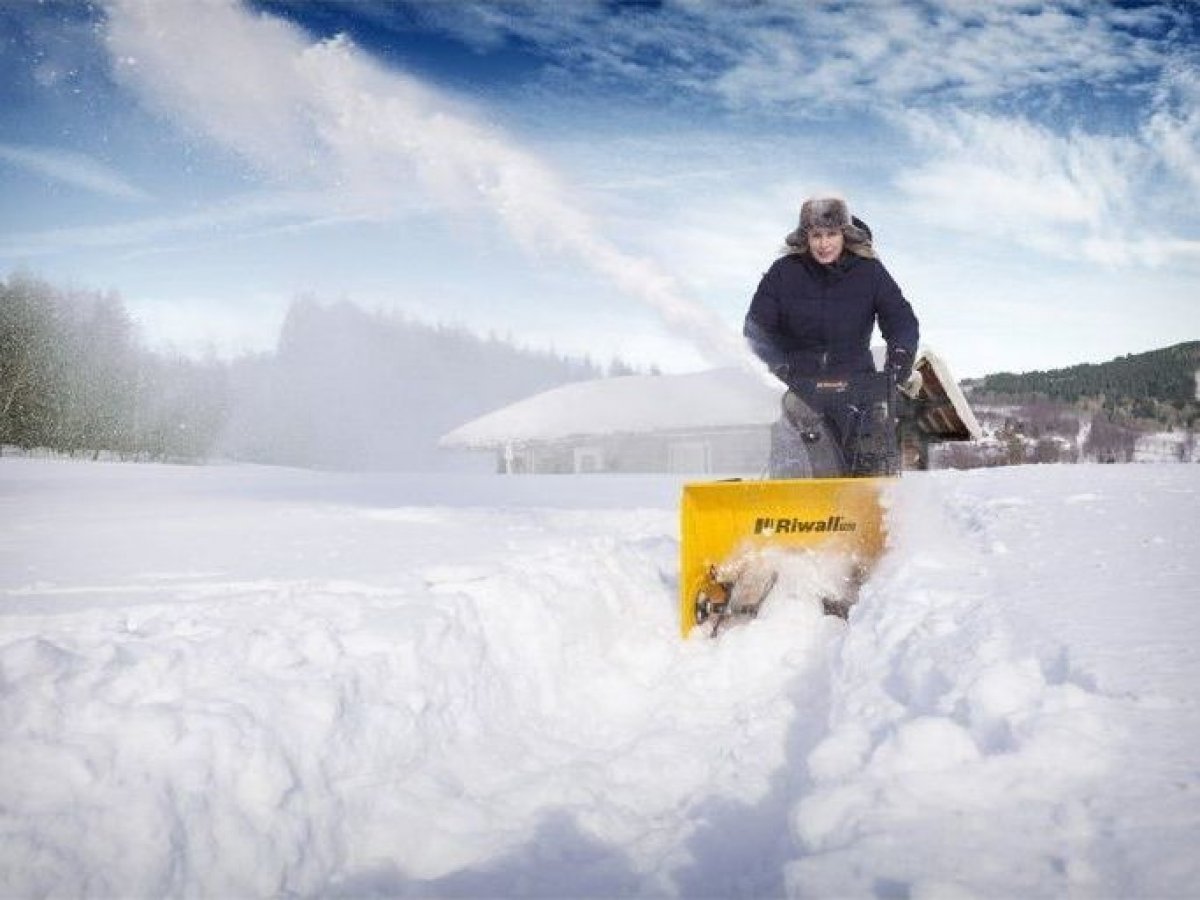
236,681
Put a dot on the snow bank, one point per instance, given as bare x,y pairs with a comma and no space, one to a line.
241,681
985,751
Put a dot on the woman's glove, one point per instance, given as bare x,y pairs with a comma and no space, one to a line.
899,363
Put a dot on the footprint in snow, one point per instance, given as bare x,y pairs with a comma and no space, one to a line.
452,576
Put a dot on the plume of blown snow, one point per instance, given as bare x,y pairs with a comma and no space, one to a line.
371,138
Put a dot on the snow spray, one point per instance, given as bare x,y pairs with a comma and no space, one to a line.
324,112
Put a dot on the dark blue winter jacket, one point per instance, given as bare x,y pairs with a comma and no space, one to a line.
808,319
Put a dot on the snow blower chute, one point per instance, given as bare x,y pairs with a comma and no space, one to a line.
834,450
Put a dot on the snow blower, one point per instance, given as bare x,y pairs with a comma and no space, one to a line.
837,445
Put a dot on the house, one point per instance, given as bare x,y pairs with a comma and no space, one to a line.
713,422
718,421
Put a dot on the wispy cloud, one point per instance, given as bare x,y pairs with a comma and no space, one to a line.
73,169
993,102
1075,196
1173,129
943,75
232,218
800,58
325,114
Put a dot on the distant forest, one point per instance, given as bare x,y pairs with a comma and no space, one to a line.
1150,390
1137,406
344,389
350,389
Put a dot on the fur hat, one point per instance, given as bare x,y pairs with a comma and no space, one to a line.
827,212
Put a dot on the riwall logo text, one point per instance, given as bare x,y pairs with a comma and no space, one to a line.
795,526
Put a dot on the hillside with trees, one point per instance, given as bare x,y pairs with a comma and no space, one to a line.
1144,405
1156,389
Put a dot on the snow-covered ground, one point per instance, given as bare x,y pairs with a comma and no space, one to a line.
236,681
1167,446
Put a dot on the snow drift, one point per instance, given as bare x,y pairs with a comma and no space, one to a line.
244,681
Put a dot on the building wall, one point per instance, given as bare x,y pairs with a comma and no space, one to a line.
722,451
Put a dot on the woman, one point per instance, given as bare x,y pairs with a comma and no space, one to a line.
813,314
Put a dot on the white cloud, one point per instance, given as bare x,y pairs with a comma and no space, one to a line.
1116,190
1173,131
325,114
877,52
815,57
1074,196
74,169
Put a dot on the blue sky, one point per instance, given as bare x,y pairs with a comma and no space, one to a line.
604,177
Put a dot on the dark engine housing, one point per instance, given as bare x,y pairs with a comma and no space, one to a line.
847,426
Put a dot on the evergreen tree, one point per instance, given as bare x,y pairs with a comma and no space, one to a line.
31,364
75,379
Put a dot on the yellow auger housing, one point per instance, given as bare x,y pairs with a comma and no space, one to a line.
721,520
730,528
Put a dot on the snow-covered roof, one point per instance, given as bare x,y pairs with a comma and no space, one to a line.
717,398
